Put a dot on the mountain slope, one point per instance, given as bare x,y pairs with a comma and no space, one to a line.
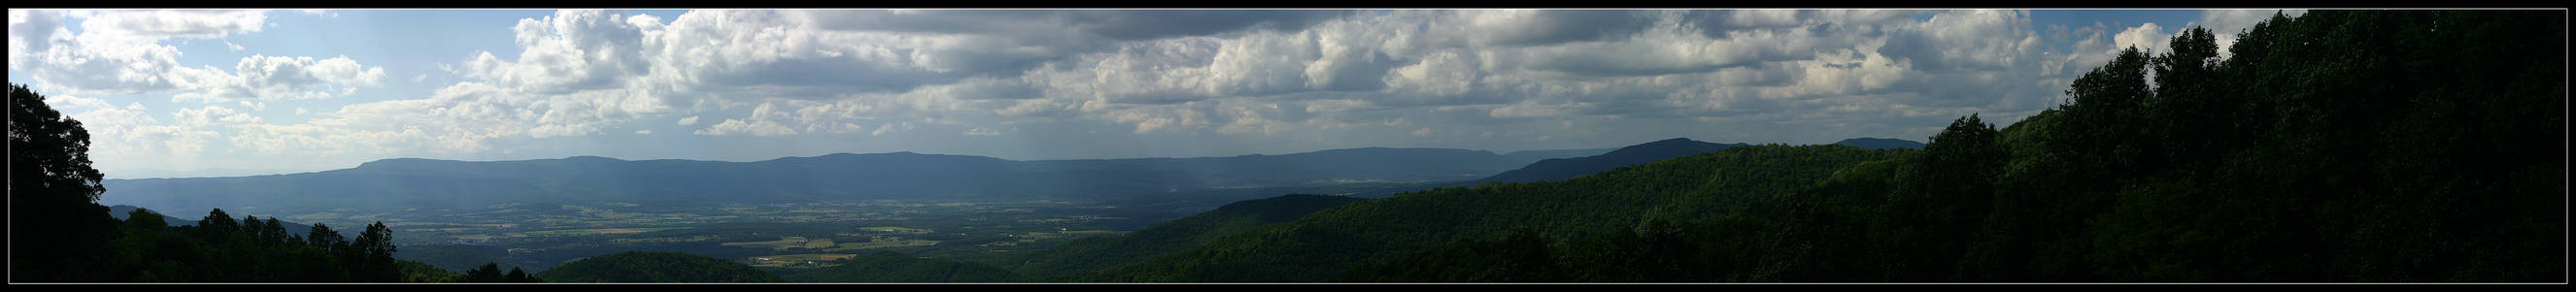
1537,155
655,267
891,267
1564,168
1324,244
1175,235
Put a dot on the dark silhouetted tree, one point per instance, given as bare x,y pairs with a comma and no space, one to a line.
488,273
218,226
519,276
57,229
329,241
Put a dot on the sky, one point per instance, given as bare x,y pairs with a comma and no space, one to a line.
239,92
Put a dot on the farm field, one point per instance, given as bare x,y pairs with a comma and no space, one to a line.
535,236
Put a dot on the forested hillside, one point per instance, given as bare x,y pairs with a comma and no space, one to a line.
2339,146
891,267
1564,168
655,267
1322,245
1097,253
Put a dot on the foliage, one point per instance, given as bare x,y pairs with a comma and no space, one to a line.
53,192
491,273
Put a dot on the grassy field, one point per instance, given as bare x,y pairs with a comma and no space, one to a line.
787,260
781,243
881,244
894,229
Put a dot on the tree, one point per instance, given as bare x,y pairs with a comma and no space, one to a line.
273,232
218,225
488,273
1942,200
145,219
2191,114
519,276
377,241
372,255
251,228
322,237
56,226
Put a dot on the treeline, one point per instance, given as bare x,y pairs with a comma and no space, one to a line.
2339,146
491,273
220,248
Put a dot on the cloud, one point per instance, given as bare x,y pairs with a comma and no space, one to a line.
260,77
2233,21
759,124
570,51
1111,24
2226,24
67,103
2148,38
118,52
732,127
1549,27
1275,78
455,120
213,115
147,25
128,137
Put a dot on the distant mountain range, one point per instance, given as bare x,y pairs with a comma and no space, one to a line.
434,184
1537,155
428,184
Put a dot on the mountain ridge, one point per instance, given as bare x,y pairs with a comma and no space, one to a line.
1564,168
